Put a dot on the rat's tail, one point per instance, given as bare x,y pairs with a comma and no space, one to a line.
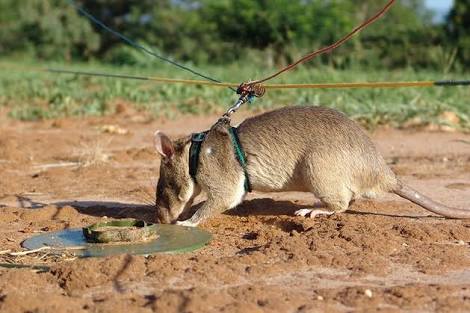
429,204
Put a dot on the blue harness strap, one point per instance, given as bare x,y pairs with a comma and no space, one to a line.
196,141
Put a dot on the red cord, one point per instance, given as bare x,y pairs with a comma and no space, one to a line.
329,48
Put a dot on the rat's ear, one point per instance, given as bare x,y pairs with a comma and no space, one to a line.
163,145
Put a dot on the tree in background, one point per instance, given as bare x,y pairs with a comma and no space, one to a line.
264,32
266,25
404,37
181,29
458,29
175,27
289,29
48,29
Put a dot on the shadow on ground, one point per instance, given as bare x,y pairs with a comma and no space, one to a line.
111,209
267,206
254,207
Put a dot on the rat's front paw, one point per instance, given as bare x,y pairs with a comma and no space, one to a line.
186,223
313,212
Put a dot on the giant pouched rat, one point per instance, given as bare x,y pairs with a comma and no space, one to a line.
311,149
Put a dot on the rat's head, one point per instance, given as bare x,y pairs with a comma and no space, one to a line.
175,188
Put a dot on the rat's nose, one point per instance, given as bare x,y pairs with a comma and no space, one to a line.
163,216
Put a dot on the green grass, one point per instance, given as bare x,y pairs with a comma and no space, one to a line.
30,95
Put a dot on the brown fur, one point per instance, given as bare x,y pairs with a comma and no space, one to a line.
311,149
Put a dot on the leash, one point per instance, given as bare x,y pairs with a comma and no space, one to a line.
254,89
137,46
329,48
248,91
261,88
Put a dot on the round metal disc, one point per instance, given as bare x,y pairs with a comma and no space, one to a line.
172,239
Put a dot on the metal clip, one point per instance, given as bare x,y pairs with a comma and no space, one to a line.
247,92
237,105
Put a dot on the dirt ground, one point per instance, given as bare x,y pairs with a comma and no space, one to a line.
385,255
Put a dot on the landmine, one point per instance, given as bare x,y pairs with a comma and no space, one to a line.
143,240
119,231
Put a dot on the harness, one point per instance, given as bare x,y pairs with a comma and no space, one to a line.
196,141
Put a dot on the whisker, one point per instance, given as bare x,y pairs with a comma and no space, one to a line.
144,196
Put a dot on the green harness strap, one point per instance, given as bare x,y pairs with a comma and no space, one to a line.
239,153
195,149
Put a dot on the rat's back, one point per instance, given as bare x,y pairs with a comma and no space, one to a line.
293,147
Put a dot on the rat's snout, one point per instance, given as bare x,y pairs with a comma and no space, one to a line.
163,216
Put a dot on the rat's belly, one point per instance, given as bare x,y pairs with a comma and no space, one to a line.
268,176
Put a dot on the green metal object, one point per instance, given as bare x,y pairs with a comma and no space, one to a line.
172,239
120,231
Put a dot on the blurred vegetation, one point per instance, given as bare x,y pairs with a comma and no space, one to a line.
263,32
33,96
233,41
458,28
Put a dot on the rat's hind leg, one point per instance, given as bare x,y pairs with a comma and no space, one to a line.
328,183
333,205
336,199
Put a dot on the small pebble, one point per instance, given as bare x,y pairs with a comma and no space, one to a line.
114,129
368,293
320,298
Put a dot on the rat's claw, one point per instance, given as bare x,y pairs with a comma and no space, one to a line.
313,212
186,223
303,212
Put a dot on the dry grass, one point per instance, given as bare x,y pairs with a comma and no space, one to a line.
93,153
